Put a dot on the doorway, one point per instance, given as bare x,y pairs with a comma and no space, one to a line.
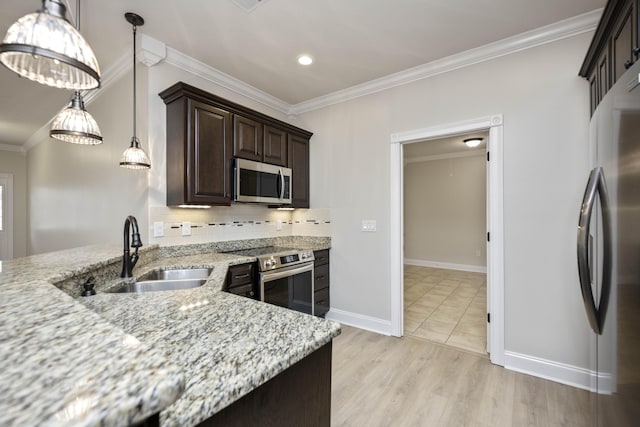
445,224
495,247
6,216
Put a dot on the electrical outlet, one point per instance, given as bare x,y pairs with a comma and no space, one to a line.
279,225
186,228
158,229
369,225
478,252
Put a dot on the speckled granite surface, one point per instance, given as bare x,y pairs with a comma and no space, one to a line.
115,359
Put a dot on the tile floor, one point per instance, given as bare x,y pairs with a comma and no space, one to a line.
446,306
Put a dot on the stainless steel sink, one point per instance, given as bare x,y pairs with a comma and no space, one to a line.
176,274
165,280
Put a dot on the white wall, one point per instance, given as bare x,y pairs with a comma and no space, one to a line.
15,163
79,195
545,108
445,217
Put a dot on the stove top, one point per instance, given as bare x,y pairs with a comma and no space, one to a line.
268,250
274,257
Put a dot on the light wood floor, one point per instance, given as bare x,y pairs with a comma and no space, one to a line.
385,381
446,306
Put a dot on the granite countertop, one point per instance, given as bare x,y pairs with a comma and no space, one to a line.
115,359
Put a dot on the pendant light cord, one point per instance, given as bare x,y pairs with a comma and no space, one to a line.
134,85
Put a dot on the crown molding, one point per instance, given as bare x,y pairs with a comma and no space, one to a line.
13,148
110,76
204,71
550,33
560,30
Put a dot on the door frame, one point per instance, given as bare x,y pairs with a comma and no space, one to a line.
7,206
495,209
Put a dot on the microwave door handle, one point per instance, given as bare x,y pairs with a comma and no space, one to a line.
281,177
584,270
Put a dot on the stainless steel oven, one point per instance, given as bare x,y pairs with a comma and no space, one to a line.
286,277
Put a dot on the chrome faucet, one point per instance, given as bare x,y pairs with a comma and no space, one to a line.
129,261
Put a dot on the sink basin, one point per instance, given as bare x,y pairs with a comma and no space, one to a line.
165,280
176,274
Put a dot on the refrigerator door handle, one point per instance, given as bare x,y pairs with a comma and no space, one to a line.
596,186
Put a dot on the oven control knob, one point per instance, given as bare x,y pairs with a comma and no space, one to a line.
270,263
305,255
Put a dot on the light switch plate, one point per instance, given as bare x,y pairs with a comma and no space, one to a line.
158,229
186,228
369,225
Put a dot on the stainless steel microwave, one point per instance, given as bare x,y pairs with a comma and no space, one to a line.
261,183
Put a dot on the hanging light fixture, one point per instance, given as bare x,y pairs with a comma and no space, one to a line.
134,157
44,47
74,124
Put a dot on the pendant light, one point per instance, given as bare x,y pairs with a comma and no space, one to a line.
74,124
44,47
134,157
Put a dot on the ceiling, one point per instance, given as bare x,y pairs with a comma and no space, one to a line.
352,41
444,146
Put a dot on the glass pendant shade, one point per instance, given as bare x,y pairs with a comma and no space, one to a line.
44,47
74,124
134,157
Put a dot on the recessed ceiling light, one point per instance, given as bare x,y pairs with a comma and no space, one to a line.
473,142
305,59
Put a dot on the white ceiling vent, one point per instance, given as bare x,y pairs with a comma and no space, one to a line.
249,5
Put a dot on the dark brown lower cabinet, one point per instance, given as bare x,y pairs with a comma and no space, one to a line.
242,280
299,396
321,282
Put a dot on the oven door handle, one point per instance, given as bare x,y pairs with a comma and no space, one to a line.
285,272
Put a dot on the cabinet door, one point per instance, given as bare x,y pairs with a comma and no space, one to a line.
275,146
624,41
604,82
247,138
209,153
299,164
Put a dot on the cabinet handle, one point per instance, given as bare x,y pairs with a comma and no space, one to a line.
320,277
241,276
628,64
636,52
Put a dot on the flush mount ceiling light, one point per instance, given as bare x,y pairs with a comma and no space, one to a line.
473,142
305,59
134,157
44,47
74,124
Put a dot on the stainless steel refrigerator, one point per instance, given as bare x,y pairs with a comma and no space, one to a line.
609,254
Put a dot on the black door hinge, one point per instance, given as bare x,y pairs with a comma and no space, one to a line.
487,156
488,317
488,236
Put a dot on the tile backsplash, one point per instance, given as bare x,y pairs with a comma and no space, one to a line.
236,222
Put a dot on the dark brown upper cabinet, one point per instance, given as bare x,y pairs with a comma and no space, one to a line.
247,138
613,49
199,156
299,164
204,134
275,146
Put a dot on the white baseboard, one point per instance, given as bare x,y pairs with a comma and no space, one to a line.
559,372
446,265
368,323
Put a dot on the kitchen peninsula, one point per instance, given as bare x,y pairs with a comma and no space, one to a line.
118,359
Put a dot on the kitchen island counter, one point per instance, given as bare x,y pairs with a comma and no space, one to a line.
215,346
